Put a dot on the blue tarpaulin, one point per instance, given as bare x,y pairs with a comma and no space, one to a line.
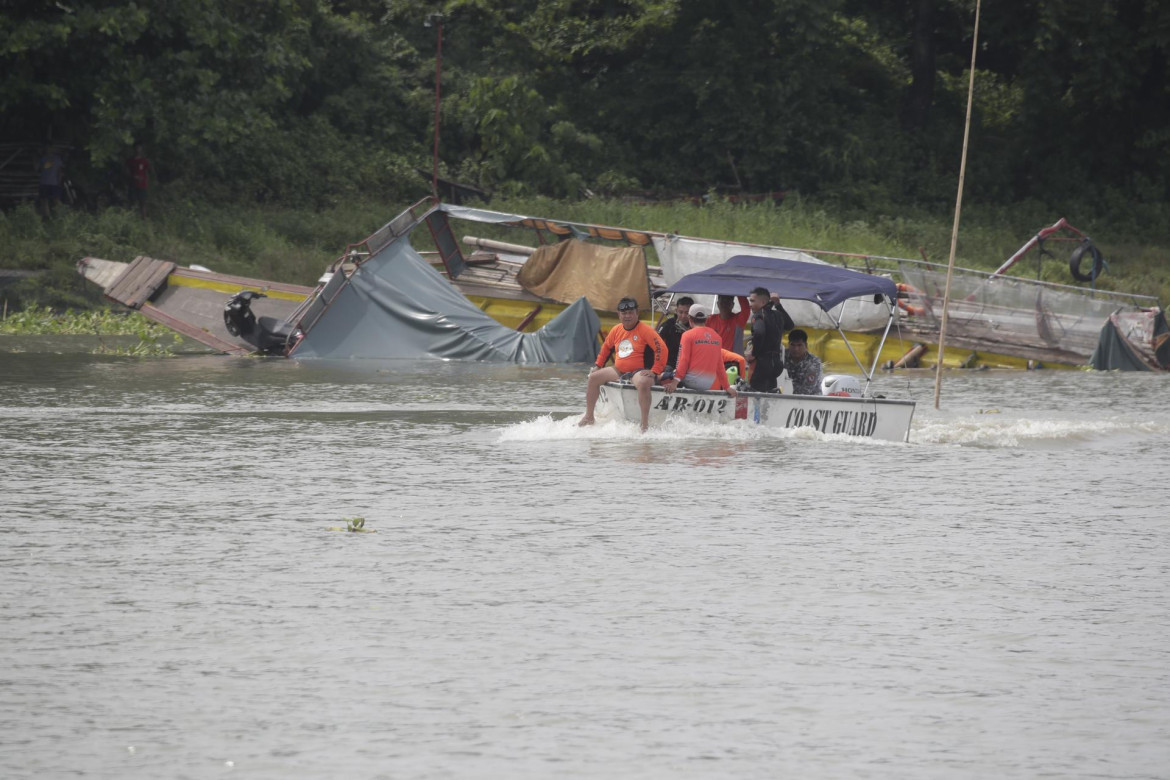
395,305
824,285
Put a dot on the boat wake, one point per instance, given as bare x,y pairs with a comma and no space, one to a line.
979,430
993,432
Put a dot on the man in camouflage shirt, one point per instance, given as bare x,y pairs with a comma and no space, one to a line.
804,369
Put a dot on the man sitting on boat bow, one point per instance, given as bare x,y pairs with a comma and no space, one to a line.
638,351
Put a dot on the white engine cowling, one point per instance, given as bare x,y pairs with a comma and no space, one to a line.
841,384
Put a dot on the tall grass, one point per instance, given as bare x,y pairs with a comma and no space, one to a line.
267,242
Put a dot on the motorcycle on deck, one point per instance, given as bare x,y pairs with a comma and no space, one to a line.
267,334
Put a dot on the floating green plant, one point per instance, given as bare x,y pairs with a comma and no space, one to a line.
355,525
154,340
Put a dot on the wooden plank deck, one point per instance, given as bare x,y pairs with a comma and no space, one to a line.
141,280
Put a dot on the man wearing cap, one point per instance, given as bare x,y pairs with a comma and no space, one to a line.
804,368
637,350
700,357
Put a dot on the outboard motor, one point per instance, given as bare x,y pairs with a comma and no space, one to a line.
841,384
267,334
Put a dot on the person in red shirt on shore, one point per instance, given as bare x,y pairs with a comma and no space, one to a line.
729,324
139,168
637,350
700,358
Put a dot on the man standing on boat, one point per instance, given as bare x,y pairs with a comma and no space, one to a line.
767,332
786,323
674,327
700,359
804,368
638,352
729,324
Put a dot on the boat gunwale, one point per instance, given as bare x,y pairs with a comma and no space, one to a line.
775,396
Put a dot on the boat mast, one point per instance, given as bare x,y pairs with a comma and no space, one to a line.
436,19
942,331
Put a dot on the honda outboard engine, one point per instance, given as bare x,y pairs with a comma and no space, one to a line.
267,334
841,384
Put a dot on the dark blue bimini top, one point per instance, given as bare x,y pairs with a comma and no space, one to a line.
824,285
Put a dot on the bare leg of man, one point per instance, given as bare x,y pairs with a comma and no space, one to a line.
593,391
644,380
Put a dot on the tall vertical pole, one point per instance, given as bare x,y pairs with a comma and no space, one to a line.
942,331
438,80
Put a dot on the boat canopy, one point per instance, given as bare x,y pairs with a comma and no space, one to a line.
824,285
395,305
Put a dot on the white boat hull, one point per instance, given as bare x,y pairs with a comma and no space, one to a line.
875,418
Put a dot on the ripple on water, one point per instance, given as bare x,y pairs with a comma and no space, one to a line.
540,599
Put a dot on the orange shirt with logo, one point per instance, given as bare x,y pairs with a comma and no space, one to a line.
700,360
628,348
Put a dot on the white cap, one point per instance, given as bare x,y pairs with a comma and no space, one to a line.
699,312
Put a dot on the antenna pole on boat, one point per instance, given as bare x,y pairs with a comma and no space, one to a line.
437,20
942,331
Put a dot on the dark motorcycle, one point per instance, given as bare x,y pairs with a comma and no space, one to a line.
267,334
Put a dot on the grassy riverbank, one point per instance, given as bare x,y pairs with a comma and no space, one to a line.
293,245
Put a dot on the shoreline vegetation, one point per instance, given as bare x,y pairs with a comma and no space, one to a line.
153,340
293,245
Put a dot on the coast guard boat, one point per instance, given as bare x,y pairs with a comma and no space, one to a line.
848,407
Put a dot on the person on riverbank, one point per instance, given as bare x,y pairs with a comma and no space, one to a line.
700,359
673,328
51,172
767,332
139,169
804,368
639,353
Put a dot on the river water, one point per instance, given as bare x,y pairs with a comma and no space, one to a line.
538,600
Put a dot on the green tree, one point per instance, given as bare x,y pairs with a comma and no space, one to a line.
258,97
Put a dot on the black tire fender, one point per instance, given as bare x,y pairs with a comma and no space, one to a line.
1078,254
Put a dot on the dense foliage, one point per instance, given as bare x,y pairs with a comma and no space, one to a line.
279,130
303,101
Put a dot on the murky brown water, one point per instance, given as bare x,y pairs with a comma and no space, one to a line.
541,601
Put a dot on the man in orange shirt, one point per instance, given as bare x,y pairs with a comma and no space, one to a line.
700,358
737,360
637,350
729,324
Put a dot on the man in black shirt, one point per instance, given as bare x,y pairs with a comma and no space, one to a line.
672,329
767,332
